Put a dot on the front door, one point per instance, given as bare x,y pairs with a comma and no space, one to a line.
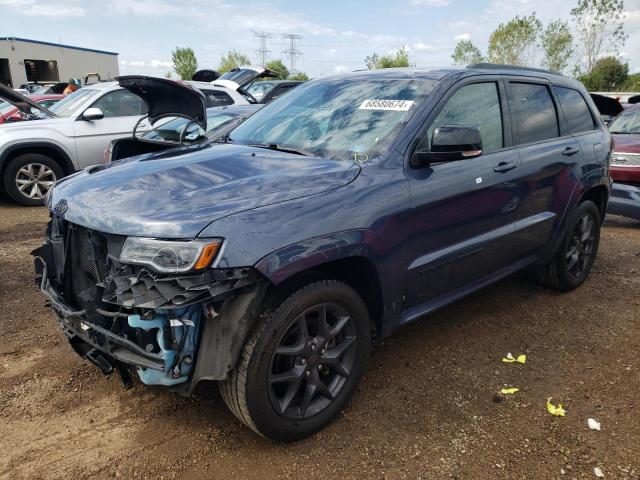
463,211
122,110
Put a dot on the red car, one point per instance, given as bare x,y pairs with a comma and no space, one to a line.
9,113
625,163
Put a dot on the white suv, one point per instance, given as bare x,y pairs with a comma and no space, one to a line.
73,134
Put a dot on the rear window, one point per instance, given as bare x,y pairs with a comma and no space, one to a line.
534,112
216,98
575,109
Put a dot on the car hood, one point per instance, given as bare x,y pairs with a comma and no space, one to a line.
177,193
167,98
22,103
626,143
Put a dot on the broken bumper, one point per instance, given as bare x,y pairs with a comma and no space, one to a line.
172,330
625,201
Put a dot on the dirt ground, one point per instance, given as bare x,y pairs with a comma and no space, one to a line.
427,408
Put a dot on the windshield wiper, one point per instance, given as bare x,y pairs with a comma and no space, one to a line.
282,148
623,133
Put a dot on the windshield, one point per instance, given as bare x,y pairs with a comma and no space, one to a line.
6,107
627,122
171,131
341,119
259,89
70,104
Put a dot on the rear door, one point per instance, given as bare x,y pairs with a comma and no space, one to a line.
122,110
547,155
463,211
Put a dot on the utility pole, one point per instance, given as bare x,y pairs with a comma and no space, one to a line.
263,52
293,53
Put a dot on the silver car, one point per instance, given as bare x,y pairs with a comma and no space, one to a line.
73,134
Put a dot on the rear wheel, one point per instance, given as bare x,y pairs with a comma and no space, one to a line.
302,363
29,177
574,258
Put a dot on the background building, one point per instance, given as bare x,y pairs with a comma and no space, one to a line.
23,60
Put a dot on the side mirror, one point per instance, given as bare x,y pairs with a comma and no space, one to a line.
92,113
450,143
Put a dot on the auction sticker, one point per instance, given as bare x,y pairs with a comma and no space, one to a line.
390,105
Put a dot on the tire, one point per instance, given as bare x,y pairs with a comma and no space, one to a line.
255,391
561,273
24,169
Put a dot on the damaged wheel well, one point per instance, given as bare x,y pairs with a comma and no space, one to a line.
357,272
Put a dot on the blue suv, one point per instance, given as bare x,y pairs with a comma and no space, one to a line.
348,207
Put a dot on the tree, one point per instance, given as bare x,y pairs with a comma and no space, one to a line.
513,42
466,53
184,62
400,59
279,68
300,76
233,59
599,28
608,74
557,43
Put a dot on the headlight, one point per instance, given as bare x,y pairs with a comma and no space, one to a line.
169,256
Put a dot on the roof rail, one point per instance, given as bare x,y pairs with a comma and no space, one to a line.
498,66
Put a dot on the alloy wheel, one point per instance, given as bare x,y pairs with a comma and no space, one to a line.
581,246
312,361
34,180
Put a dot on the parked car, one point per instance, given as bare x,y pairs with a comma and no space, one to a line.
241,78
266,91
353,205
625,163
74,133
11,113
181,132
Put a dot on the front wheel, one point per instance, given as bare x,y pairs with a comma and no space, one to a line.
302,362
29,177
574,258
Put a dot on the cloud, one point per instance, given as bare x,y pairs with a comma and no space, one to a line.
34,8
429,3
462,36
422,47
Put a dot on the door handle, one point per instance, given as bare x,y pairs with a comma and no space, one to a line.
567,152
503,167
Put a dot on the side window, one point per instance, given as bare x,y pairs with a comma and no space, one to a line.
216,98
121,103
534,113
280,90
476,105
575,109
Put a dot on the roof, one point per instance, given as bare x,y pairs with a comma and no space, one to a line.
61,45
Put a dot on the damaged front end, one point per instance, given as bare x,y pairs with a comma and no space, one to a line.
173,329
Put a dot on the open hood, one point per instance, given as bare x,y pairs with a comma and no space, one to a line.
205,75
606,105
167,98
242,76
22,103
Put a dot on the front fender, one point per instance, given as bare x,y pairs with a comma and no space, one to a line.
11,142
301,256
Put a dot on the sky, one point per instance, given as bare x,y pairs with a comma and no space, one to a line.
336,36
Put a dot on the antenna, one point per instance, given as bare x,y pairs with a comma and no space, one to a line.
263,52
293,53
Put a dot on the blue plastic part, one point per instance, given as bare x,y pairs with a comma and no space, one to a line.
183,322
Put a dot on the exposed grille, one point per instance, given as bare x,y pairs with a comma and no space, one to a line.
626,160
87,265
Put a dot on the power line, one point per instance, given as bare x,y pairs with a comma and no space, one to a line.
293,53
263,52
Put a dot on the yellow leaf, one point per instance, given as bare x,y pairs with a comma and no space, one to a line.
510,358
553,410
509,391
